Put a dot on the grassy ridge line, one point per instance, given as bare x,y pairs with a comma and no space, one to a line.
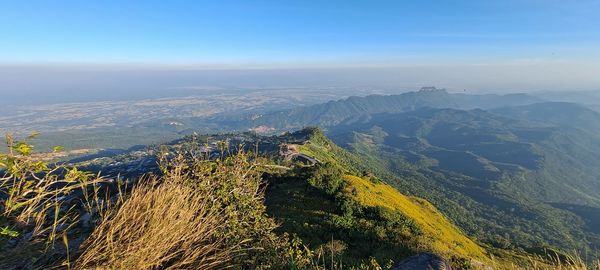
444,237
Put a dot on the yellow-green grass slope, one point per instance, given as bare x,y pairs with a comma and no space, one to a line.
438,235
441,235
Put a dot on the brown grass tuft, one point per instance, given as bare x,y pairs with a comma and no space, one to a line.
164,226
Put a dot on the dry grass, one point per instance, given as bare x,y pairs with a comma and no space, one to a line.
570,262
40,203
39,198
167,226
200,214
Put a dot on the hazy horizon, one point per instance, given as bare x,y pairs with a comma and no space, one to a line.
53,84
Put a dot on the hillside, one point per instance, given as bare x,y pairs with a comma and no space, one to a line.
444,237
313,192
514,179
362,204
357,108
562,114
350,207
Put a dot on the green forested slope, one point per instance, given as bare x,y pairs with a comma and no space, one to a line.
335,203
513,179
357,108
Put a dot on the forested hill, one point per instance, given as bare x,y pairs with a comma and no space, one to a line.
334,112
562,114
523,183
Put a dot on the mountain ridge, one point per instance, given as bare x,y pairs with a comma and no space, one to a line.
517,169
351,108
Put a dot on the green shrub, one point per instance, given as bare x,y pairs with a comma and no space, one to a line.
327,177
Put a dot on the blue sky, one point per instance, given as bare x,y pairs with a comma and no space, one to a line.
298,33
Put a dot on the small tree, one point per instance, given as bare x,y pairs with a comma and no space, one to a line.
327,177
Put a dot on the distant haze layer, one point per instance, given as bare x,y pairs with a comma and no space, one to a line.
22,84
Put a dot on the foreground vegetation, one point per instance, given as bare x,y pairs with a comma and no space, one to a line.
198,214
240,210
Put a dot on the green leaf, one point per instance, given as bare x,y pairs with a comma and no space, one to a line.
33,135
58,148
40,166
15,206
23,148
8,232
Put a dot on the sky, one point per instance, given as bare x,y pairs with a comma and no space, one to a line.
556,38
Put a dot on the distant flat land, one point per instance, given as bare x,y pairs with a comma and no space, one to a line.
129,113
125,123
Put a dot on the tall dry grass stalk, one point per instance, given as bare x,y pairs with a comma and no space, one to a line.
551,261
40,198
569,262
160,226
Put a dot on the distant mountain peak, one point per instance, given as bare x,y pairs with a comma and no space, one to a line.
432,89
